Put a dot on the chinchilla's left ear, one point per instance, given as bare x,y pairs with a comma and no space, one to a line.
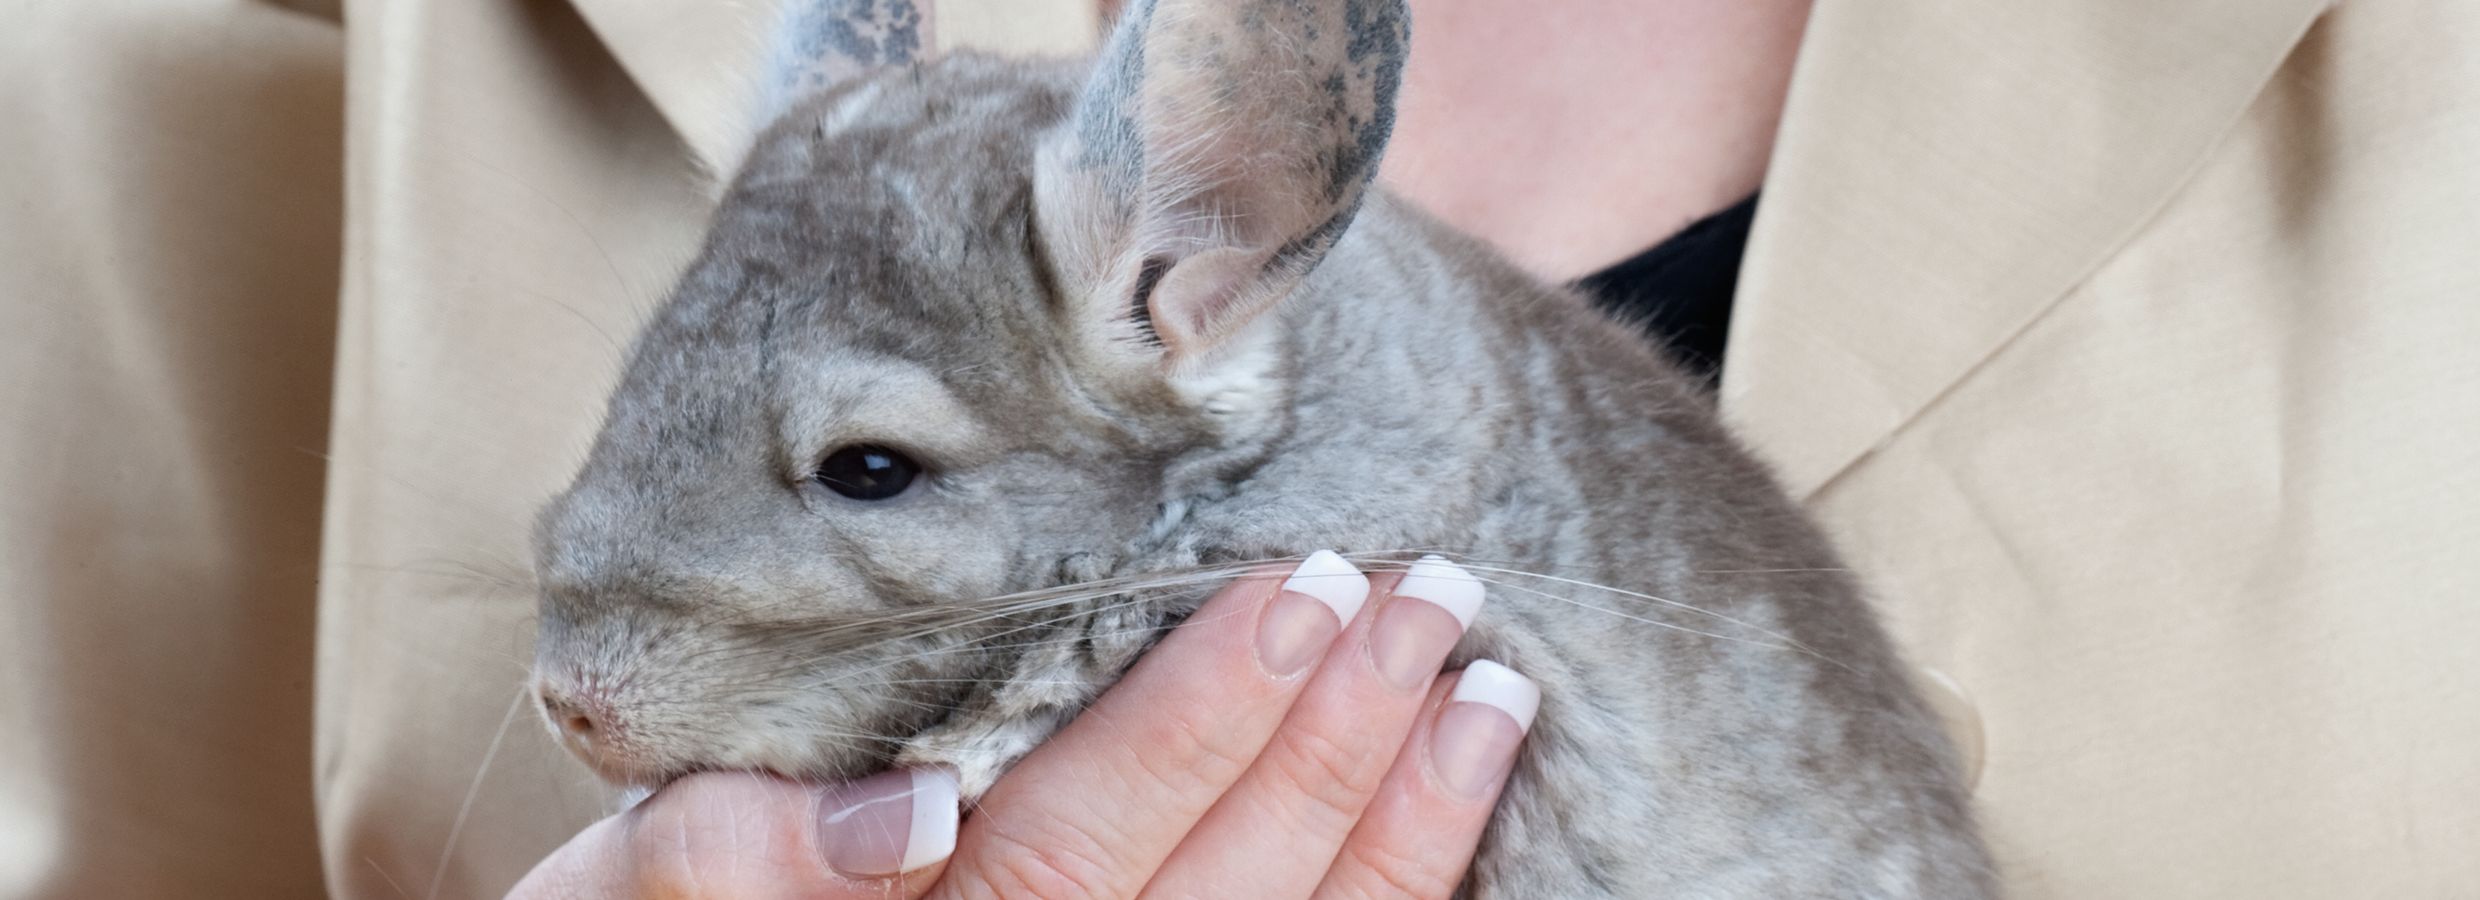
820,43
1216,152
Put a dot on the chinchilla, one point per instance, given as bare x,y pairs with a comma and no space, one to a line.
990,370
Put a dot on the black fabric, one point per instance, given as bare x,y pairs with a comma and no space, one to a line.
1680,290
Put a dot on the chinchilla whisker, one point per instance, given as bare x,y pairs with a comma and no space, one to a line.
956,615
451,571
1690,607
1773,571
619,350
901,625
952,616
850,740
849,677
917,704
1792,646
856,740
900,682
381,871
473,791
944,621
1017,612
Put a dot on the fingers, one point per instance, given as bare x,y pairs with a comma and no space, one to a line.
1278,827
1417,837
1095,810
737,834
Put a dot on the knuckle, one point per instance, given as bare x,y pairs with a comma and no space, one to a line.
664,856
1383,872
1190,759
1337,777
1047,866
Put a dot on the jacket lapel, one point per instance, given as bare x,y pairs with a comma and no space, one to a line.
1944,173
702,63
705,64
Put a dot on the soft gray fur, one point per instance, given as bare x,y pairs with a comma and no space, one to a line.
946,257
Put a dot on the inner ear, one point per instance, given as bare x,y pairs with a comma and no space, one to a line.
1202,298
1217,151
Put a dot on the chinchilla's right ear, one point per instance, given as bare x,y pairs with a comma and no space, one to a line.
1217,151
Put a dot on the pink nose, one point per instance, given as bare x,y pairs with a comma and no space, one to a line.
583,719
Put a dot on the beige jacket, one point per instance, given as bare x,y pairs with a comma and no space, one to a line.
2128,348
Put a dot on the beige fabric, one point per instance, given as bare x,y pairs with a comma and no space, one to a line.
168,248
2124,345
2128,350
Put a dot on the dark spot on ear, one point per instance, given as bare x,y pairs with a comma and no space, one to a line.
1299,254
834,38
1106,124
1140,307
870,32
1379,32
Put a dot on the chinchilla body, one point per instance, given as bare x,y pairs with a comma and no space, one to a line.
1123,323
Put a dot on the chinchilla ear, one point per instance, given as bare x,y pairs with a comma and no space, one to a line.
821,43
1217,151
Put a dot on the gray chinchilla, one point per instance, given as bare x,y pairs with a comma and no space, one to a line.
990,370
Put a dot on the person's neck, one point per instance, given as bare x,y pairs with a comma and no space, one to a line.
1575,134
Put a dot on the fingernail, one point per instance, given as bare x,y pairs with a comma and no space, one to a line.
1475,740
889,823
632,795
1304,617
1333,581
1434,604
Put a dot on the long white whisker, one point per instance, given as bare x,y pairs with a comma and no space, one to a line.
473,790
1646,597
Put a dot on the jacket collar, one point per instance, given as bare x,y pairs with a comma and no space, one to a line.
1944,173
704,64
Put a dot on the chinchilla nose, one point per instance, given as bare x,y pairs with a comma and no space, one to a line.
583,717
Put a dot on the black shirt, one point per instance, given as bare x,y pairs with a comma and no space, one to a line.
1680,291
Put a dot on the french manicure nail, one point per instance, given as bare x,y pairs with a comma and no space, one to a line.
1474,742
1434,604
1333,581
889,823
1304,617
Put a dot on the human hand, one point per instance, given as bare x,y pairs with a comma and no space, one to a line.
1289,740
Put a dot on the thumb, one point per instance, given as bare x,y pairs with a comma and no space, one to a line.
739,834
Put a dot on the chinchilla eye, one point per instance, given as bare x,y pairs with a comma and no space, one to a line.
867,472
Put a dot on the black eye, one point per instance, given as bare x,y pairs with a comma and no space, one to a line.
866,472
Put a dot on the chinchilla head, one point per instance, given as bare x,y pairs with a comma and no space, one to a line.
961,328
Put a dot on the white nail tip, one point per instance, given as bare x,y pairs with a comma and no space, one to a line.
936,815
1438,581
1491,684
632,795
1333,581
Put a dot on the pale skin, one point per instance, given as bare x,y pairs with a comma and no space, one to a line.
1570,135
1574,134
